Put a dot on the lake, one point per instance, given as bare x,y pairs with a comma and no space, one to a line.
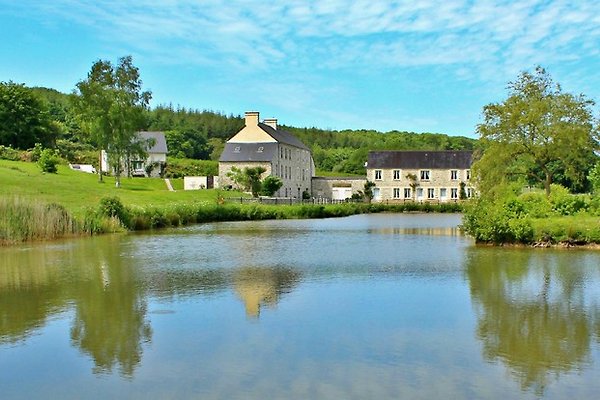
368,306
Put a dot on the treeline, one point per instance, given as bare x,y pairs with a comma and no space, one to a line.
190,133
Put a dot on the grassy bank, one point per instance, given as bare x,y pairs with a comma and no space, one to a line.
38,206
535,219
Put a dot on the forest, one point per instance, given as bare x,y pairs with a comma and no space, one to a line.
46,116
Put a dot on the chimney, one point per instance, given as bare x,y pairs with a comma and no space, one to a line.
251,118
272,122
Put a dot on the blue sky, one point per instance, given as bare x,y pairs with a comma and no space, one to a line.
423,66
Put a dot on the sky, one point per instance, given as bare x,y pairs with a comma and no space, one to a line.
421,65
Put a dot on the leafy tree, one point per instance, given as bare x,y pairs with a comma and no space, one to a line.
368,191
111,105
594,178
253,178
247,179
270,185
24,118
538,128
414,184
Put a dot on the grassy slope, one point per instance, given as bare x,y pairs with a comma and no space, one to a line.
78,190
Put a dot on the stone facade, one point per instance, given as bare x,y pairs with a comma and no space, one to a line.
278,151
435,176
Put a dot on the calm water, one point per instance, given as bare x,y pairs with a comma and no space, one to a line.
370,306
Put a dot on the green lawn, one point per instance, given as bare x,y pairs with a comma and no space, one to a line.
77,190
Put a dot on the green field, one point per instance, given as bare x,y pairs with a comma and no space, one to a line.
77,191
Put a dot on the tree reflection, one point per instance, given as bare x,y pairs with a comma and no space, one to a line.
30,291
535,312
110,321
258,286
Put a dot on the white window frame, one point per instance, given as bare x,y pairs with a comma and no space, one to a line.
397,174
425,174
454,193
430,193
453,174
396,193
468,174
378,175
407,193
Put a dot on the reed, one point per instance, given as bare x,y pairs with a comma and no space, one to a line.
26,220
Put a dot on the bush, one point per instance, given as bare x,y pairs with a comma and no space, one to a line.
48,161
112,207
8,153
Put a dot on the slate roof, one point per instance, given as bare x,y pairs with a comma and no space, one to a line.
160,143
283,136
250,152
445,159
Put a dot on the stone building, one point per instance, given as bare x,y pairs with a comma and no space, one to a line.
278,151
420,175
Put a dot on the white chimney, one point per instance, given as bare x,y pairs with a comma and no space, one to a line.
272,122
251,118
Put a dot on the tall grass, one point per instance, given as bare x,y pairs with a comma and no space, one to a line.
25,220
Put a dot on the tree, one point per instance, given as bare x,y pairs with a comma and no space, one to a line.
24,118
111,105
270,185
414,184
247,179
368,191
536,132
594,178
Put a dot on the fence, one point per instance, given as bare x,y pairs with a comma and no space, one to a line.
325,200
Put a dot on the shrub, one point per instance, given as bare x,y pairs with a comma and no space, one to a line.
48,161
112,207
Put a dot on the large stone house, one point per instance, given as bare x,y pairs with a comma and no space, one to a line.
263,144
155,145
420,175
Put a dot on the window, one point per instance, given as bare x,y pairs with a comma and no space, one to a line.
468,174
430,193
407,194
454,193
443,193
469,192
396,174
377,174
260,149
281,152
137,165
396,193
454,175
425,175
236,149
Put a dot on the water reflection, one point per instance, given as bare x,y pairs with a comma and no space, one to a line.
262,286
110,322
537,312
30,291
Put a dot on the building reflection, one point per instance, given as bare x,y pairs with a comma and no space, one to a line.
261,286
537,313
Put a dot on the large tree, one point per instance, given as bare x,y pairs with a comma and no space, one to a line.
536,133
24,118
111,105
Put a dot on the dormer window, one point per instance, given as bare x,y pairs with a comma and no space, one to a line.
260,149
